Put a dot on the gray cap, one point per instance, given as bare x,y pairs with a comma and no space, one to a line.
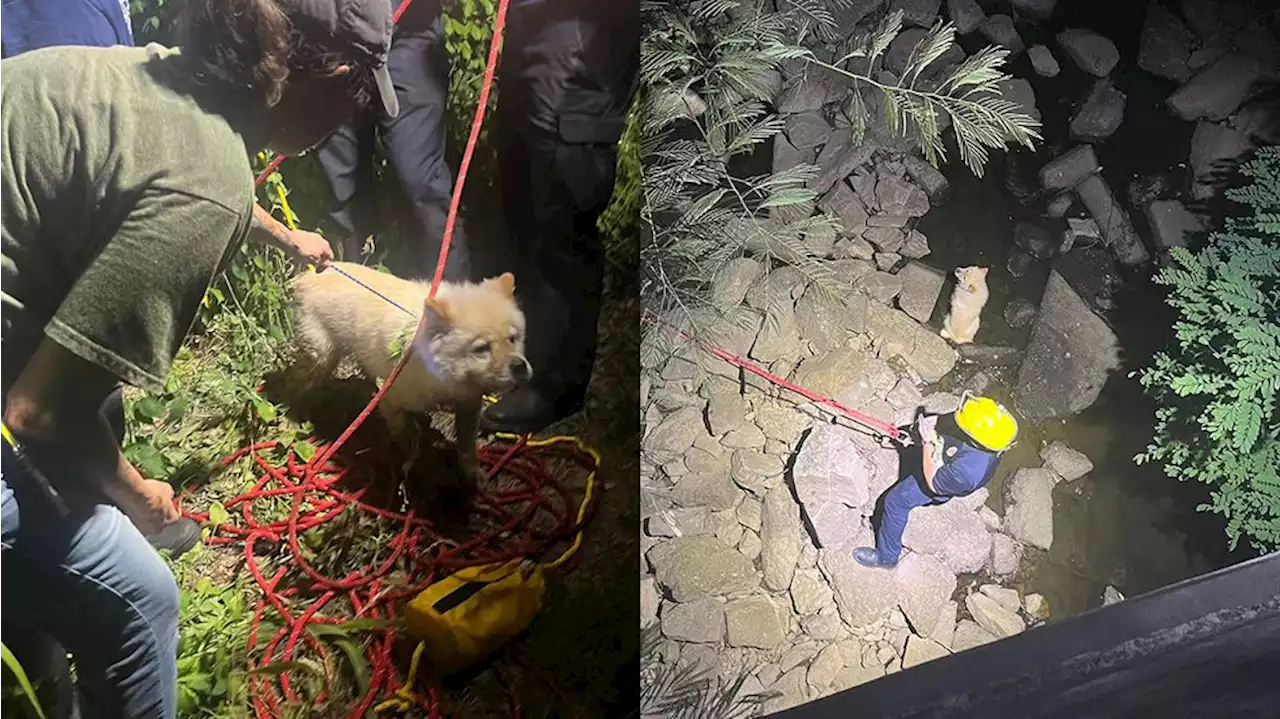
364,25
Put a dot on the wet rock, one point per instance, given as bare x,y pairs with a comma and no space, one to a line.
842,202
754,621
700,621
1019,313
831,481
920,13
1004,596
969,635
1019,263
1090,51
809,592
780,538
1006,555
1100,115
888,239
674,435
1028,515
880,286
928,178
807,130
1043,62
1034,239
1080,232
921,286
1216,91
1036,607
966,14
898,197
925,585
999,30
1111,595
1113,220
1172,224
862,594
991,355
853,248
997,620
1067,170
691,568
823,668
1166,44
1065,462
1059,205
790,690
886,260
921,650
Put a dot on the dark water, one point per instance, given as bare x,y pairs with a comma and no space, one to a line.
1124,525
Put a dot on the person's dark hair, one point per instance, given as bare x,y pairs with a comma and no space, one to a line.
249,48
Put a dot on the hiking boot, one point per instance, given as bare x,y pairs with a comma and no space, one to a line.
178,537
525,410
869,557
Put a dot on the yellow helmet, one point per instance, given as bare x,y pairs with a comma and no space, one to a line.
987,423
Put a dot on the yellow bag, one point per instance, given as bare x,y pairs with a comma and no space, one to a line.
473,612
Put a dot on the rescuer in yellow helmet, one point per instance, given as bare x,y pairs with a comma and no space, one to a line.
957,458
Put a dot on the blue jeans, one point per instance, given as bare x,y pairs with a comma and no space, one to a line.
901,498
93,584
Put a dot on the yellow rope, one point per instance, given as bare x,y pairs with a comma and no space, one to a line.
586,497
8,436
404,697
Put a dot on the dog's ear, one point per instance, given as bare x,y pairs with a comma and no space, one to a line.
439,313
505,282
982,272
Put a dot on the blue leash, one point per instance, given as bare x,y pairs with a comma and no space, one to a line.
390,301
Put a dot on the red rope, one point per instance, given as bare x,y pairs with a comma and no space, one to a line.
521,522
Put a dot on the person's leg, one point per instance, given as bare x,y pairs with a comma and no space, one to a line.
415,145
94,584
568,76
901,498
347,160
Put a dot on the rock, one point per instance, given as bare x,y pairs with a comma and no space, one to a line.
951,533
863,183
852,676
1004,596
886,260
924,585
1113,220
1034,10
790,690
887,239
787,156
1213,20
1100,115
680,522
921,286
822,318
941,403
1172,223
999,29
1019,313
750,545
708,489
969,635
1034,239
807,130
842,202
1036,607
820,240
944,629
905,395
1068,357
823,668
898,197
694,567
1080,232
754,621
1006,555
991,355
1216,91
1065,462
1019,263
732,281
975,500
1060,205
780,538
1217,147
853,248
674,435
899,52
1067,170
966,14
1111,595
1260,44
779,338
796,655
1166,44
989,518
838,160
783,423
886,655
916,246
809,592
921,13
649,600
1043,62
1090,51
1201,58
921,650
700,621
1028,513
928,178
880,286
925,352
831,476
863,595
824,627
726,408
994,618
1019,92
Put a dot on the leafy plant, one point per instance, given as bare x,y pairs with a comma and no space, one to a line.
1218,421
24,684
680,690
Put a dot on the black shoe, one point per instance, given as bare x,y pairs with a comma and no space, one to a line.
178,537
525,410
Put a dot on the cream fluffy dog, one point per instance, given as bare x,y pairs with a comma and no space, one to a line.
967,301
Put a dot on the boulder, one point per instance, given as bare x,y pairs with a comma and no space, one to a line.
732,281
1217,91
1080,232
1034,239
1214,20
1113,220
920,650
916,246
944,629
951,533
880,286
754,621
1090,51
782,422
863,595
807,130
714,489
928,178
649,601
886,260
1034,10
809,592
904,395
1004,596
1043,61
1059,205
1067,170
787,156
899,52
749,546
856,675
674,435
779,338
700,621
1166,44
791,689
726,407
898,197
1171,224
921,286
679,522
831,477
830,374
822,318
820,239
838,160
1006,555
1111,595
1217,147
925,585
1019,313
887,239
1100,115
999,30
923,350
853,248
824,667
969,635
967,15
996,619
1258,42
991,355
780,538
1028,513
920,13
1066,463
691,568
824,627
1036,607
842,202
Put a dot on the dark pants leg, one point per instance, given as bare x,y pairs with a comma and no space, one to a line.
568,76
901,498
415,142
347,160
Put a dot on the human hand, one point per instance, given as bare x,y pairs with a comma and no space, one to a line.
151,508
928,428
310,247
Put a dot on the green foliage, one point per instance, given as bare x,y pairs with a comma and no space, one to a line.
711,76
1218,421
214,622
14,667
680,690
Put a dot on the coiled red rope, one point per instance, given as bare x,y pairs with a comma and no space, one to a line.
530,513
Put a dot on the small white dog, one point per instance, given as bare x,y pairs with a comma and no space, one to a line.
967,301
472,345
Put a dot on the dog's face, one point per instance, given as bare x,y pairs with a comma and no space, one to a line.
476,335
971,278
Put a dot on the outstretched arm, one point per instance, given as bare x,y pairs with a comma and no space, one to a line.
306,246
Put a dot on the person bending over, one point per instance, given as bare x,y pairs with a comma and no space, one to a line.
126,187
